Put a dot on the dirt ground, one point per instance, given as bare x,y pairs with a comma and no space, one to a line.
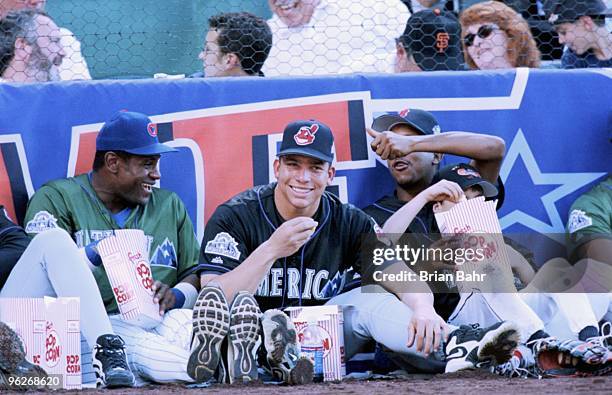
461,383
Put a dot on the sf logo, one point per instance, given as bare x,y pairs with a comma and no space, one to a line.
442,41
306,134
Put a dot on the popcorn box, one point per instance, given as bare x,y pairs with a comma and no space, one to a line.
50,331
126,260
477,220
330,320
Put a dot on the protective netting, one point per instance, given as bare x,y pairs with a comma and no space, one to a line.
76,39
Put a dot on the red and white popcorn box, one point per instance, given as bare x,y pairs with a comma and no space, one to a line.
126,259
330,320
50,331
477,220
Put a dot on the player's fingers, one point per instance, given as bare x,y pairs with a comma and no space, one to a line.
373,133
438,333
420,336
429,337
411,334
445,331
386,152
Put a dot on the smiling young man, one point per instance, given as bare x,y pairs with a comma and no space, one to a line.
291,243
119,193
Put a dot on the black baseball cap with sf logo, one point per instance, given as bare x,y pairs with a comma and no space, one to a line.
310,138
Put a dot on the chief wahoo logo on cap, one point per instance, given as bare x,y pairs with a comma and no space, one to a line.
306,134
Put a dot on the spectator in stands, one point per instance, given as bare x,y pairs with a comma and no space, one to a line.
431,41
581,25
237,44
497,37
333,36
29,47
74,66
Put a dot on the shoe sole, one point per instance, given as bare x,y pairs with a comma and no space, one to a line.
302,372
276,326
243,338
120,382
11,352
499,344
210,326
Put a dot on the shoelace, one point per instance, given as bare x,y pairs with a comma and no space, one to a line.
536,345
115,357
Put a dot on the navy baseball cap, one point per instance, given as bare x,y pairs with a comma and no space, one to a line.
568,11
433,37
420,120
310,138
466,176
131,132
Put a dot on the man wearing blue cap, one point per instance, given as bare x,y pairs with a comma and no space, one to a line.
119,193
291,243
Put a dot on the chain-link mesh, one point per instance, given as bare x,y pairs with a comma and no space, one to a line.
83,39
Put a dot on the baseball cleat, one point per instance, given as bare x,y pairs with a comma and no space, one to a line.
282,350
211,322
110,363
11,352
522,364
470,346
244,338
12,360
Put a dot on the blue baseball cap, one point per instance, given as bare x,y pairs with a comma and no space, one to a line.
131,132
310,138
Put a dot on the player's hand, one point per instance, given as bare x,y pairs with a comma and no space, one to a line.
444,190
163,295
389,145
290,236
426,330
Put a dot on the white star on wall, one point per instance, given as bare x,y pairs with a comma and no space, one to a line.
568,183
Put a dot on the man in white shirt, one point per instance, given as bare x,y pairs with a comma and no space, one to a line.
317,37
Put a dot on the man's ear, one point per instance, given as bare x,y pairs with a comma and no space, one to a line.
437,158
231,60
23,49
112,162
331,172
436,207
587,22
276,167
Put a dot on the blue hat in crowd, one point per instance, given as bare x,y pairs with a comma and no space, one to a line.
131,132
310,138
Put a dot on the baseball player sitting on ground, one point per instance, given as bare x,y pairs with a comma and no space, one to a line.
13,242
292,243
119,194
554,358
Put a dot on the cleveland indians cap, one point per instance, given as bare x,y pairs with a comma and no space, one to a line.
420,120
311,138
466,176
131,132
433,37
568,11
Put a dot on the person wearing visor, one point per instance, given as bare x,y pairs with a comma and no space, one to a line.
119,193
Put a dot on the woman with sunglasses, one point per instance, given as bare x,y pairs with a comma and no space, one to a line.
494,36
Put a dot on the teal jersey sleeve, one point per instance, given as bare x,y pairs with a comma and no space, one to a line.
590,217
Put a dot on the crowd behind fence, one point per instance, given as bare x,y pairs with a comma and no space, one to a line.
69,39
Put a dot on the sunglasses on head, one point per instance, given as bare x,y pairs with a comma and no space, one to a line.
484,31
